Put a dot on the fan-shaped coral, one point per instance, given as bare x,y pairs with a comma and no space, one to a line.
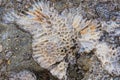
56,37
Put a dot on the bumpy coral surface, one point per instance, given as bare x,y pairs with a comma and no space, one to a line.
109,58
109,53
57,38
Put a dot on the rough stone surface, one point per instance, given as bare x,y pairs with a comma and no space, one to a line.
22,75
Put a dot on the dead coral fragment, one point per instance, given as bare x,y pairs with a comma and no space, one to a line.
61,70
55,37
109,58
89,33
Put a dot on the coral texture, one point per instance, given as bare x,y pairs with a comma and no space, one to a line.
109,53
57,38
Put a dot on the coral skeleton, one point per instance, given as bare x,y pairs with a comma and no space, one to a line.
57,37
106,53
109,58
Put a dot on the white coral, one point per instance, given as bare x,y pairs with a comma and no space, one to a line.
60,70
55,36
109,26
109,58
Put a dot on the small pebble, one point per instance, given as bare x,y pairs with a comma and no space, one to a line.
0,2
1,61
1,48
8,55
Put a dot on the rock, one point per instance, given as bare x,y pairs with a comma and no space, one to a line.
1,61
1,48
22,75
